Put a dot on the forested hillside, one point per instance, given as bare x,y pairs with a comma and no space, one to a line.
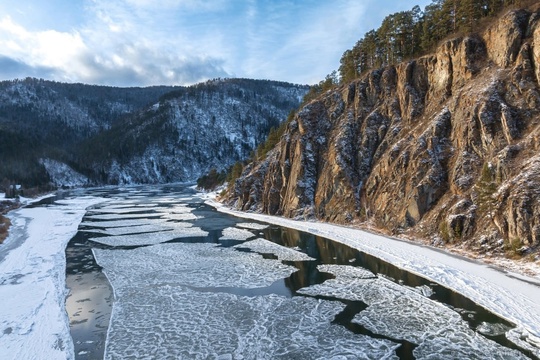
40,119
118,135
408,34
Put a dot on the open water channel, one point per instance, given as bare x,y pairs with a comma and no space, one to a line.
155,273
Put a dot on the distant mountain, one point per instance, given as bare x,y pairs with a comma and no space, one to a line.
124,135
190,131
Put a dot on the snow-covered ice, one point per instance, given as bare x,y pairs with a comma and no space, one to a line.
122,216
252,226
33,318
128,230
122,223
499,292
399,312
267,247
232,233
150,238
198,264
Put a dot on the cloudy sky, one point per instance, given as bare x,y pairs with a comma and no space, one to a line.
181,42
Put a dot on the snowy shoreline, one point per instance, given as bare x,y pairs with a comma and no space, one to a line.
33,318
510,296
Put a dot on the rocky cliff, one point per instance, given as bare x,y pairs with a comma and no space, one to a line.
444,147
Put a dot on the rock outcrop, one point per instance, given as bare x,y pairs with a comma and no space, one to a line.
445,147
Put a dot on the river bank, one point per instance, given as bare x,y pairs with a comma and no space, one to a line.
33,319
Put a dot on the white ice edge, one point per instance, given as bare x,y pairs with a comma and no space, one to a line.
33,318
510,298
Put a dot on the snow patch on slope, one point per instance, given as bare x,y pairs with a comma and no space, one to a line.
62,175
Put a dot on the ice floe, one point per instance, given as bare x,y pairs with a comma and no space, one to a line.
122,223
267,247
400,312
180,216
198,264
150,238
122,216
167,321
128,210
252,226
127,230
232,233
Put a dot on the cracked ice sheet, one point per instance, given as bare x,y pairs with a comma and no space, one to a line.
151,238
267,247
168,321
232,233
197,264
508,297
403,313
157,312
33,318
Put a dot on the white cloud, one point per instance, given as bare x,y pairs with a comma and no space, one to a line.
143,42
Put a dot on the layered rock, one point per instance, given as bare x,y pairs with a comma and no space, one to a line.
444,147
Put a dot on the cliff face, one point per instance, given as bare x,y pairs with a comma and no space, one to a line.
445,147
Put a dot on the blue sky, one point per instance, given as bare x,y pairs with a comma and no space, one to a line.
181,42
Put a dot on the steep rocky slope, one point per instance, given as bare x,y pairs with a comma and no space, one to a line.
445,147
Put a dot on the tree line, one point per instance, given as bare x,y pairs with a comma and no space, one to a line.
407,34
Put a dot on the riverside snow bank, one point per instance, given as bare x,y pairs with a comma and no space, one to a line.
33,320
512,297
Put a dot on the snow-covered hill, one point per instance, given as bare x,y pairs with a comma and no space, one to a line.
135,135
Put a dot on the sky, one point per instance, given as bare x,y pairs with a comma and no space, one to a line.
182,42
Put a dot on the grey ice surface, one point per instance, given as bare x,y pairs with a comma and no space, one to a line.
267,247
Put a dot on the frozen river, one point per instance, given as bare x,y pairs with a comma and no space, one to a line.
154,272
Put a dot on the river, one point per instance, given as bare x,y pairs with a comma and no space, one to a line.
155,272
